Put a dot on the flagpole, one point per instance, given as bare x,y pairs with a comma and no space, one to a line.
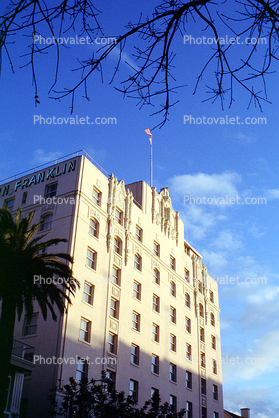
147,131
151,162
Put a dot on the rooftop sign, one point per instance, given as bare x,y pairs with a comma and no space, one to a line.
40,177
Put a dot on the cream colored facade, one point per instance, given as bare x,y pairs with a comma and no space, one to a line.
147,335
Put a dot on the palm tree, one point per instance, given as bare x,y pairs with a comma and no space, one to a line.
21,258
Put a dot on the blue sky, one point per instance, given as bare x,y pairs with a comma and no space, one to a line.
206,162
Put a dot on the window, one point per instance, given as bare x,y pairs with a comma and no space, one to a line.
204,413
214,366
94,227
114,308
188,380
154,391
211,296
172,262
138,233
202,334
116,273
135,354
155,332
10,204
173,404
203,386
137,290
155,364
46,222
30,327
189,409
134,388
172,372
200,286
85,330
212,319
136,321
156,248
213,342
215,415
112,343
156,303
137,262
96,197
117,246
202,359
187,275
188,324
172,342
112,376
24,198
172,288
82,369
119,216
156,276
91,259
172,314
201,310
215,392
88,293
188,352
187,300
51,190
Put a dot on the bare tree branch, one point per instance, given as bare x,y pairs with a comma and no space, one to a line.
151,76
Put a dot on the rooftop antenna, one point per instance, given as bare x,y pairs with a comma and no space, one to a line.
150,140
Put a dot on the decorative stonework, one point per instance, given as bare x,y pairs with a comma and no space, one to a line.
113,325
172,278
155,264
119,233
48,208
94,213
115,292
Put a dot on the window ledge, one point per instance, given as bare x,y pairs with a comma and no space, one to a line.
84,342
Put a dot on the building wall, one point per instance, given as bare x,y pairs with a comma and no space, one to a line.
152,212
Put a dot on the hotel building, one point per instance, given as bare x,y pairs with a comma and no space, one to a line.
146,310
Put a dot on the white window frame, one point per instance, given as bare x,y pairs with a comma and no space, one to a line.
85,333
30,327
88,295
136,321
94,227
91,262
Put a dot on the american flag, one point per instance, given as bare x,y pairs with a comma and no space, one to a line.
150,135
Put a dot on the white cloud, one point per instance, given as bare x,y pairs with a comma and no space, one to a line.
197,221
200,218
273,193
264,296
216,261
227,241
259,400
201,184
41,156
256,231
245,138
248,363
